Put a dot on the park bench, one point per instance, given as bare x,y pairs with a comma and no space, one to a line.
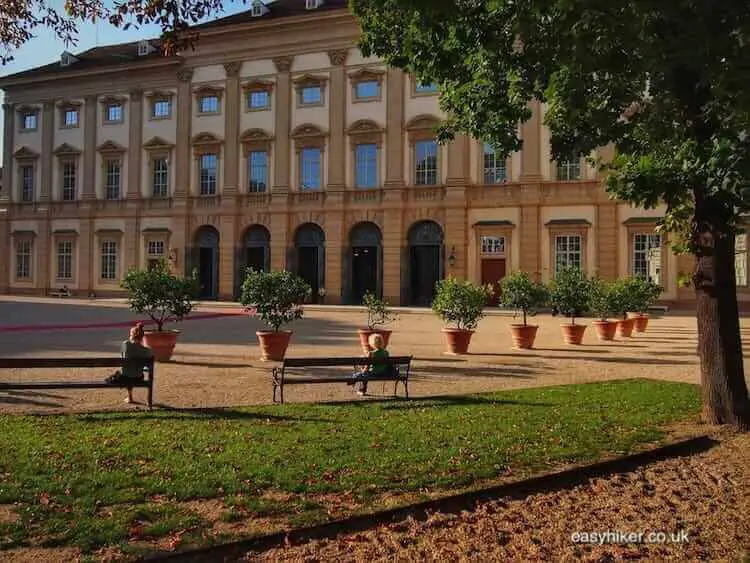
398,372
63,292
145,364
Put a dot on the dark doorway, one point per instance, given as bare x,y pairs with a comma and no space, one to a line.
309,242
207,243
255,253
425,262
363,266
493,270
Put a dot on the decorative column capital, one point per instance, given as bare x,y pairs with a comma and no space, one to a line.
338,57
233,69
185,74
91,99
136,93
283,64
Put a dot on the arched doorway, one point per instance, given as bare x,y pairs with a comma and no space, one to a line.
364,262
206,261
425,261
254,252
309,246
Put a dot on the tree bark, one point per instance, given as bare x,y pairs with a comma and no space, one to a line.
725,398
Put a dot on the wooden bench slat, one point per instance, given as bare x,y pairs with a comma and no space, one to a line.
343,362
303,380
29,363
69,385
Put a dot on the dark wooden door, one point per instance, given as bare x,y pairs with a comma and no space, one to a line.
206,259
307,269
493,270
364,271
255,258
424,263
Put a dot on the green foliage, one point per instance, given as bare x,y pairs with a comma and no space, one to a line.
159,294
460,303
644,293
277,297
378,312
518,291
603,298
624,295
570,292
90,480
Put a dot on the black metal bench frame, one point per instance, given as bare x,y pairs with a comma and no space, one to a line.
399,372
146,364
59,293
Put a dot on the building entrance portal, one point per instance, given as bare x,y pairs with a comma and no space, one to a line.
425,262
309,242
206,261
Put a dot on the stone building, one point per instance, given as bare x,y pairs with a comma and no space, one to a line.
276,144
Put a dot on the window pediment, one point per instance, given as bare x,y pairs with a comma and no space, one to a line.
107,100
423,123
27,109
258,85
366,75
160,95
209,90
202,139
67,150
25,153
65,233
364,126
307,130
69,104
156,144
256,139
23,234
110,147
307,80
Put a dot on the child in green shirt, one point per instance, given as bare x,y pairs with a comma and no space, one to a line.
378,355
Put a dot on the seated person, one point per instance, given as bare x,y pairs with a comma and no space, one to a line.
378,354
132,348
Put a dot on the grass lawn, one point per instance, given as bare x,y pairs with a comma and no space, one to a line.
142,481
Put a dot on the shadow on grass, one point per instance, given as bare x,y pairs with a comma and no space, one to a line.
29,399
454,504
431,402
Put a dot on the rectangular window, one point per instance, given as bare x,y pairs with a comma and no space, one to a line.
112,181
425,159
257,171
367,90
208,104
28,121
155,252
209,164
109,260
366,164
27,183
24,252
569,169
160,180
493,245
113,113
258,99
494,167
65,260
428,88
311,96
310,177
69,181
567,252
740,259
161,108
70,117
644,245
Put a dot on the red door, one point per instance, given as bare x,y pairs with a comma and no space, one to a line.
493,270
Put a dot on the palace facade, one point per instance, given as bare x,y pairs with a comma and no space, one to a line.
276,144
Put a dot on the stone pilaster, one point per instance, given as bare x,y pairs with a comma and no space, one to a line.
48,139
42,252
458,161
394,134
283,112
334,248
6,195
227,239
606,238
86,264
232,129
279,240
183,158
135,144
530,241
131,242
455,242
394,244
89,148
337,121
531,154
5,249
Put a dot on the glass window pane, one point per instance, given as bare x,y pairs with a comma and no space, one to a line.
311,95
368,89
425,157
257,162
311,169
366,164
258,99
161,108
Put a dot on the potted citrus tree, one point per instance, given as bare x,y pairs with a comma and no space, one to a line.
276,298
460,304
645,293
603,305
378,315
569,294
623,301
163,297
519,292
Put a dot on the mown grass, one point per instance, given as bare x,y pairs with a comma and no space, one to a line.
104,479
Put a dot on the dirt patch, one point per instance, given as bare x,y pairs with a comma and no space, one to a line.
8,514
38,555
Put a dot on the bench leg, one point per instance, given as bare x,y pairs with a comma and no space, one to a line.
150,399
406,388
281,392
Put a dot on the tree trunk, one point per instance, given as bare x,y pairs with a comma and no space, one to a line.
725,398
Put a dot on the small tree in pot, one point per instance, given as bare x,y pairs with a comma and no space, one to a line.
604,304
162,296
378,315
570,294
519,292
623,301
644,294
460,304
276,298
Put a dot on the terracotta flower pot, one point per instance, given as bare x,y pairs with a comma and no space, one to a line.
364,335
273,344
640,321
523,336
457,340
573,334
162,343
605,330
625,327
